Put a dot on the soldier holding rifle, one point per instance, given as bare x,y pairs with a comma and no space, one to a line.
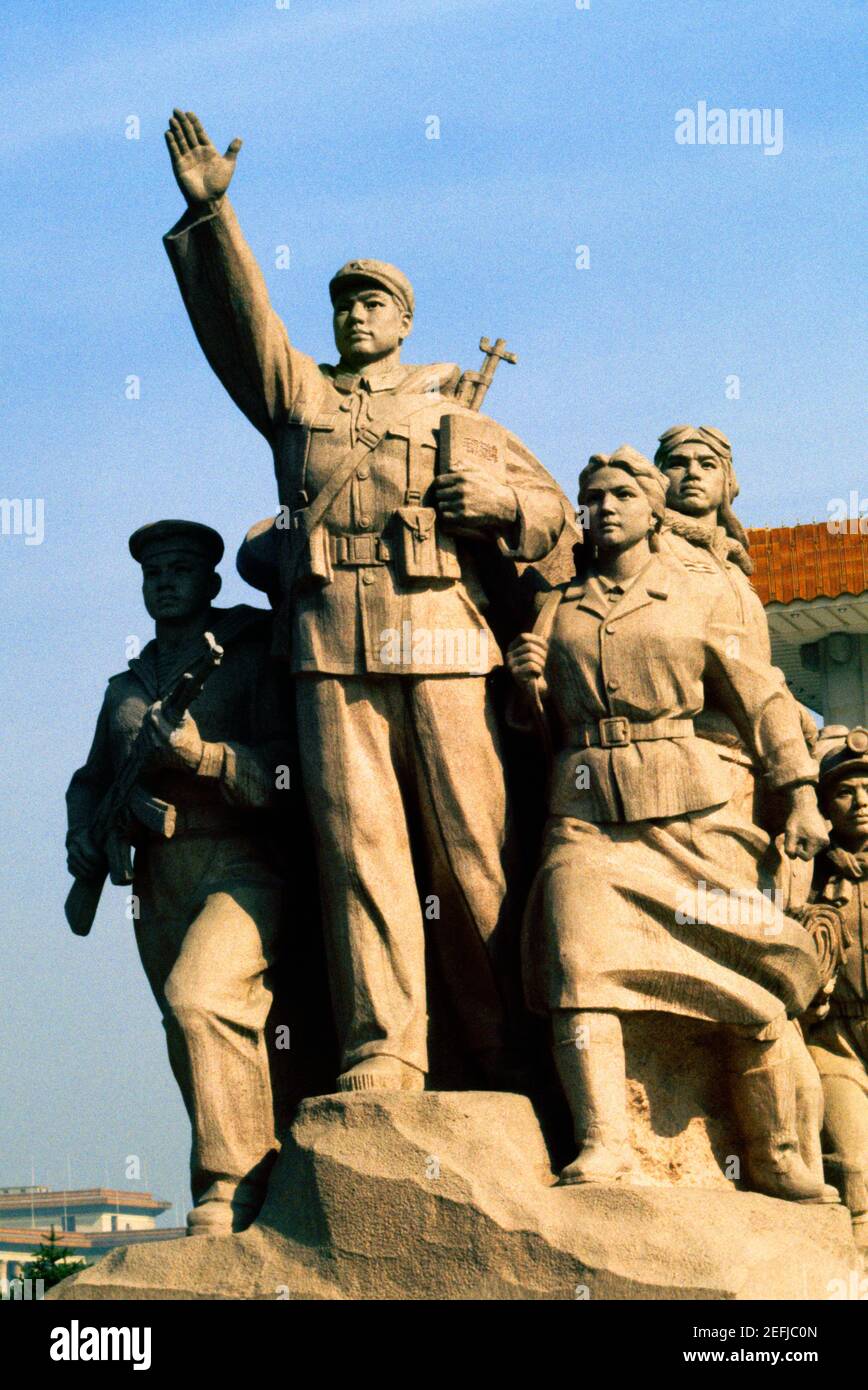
207,894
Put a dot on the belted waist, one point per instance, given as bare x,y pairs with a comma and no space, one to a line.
618,732
359,549
200,820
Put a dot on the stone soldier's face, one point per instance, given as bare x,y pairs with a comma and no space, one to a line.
696,480
176,585
619,513
369,323
847,807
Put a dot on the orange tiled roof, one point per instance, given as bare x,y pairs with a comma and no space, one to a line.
806,562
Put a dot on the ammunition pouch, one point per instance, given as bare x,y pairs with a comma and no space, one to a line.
307,551
420,550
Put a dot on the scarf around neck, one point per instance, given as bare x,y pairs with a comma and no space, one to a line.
711,537
847,868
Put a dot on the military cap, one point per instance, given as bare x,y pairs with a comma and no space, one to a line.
845,752
389,276
177,535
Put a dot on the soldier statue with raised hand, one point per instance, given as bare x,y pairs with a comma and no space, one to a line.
390,505
206,890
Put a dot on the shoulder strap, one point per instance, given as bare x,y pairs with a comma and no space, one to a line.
306,520
310,517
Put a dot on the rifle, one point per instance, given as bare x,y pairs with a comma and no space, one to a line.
473,386
125,798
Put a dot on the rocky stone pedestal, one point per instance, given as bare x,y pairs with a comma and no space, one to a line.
450,1195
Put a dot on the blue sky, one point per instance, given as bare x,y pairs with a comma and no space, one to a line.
556,131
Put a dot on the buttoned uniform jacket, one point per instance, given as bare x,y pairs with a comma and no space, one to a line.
312,416
656,653
706,552
241,707
711,558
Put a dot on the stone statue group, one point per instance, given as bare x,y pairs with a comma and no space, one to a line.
416,539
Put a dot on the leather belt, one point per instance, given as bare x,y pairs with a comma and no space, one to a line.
362,549
203,820
617,732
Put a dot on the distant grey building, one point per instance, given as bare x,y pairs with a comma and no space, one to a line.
86,1222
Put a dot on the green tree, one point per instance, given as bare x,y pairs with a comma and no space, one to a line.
52,1263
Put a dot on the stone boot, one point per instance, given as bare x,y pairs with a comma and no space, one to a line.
382,1073
221,1217
846,1129
851,1180
211,1218
589,1054
764,1101
229,1205
809,1101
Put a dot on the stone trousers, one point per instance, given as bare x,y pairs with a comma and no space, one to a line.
405,787
207,934
839,1047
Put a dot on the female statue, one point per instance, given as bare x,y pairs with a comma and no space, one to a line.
643,833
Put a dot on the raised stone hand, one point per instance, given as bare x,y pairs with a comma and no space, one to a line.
202,173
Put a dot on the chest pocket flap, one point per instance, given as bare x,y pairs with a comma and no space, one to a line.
327,421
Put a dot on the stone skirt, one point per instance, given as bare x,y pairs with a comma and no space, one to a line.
607,924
